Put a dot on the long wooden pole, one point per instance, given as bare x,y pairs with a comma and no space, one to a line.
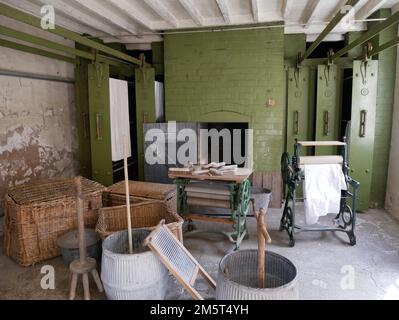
129,218
81,225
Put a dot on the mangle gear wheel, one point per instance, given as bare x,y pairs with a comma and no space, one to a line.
286,168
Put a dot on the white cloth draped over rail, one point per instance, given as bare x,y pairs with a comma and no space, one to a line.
119,113
322,190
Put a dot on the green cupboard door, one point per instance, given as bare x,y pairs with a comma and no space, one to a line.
100,124
145,109
328,115
364,104
300,123
82,114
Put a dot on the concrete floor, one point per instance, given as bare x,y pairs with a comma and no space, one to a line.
324,261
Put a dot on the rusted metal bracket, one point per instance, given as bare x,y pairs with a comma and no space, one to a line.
142,58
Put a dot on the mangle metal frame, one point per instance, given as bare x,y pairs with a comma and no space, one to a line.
240,194
293,177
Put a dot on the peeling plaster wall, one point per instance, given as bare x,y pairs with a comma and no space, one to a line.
392,198
38,135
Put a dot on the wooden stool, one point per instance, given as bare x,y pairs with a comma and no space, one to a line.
78,268
84,265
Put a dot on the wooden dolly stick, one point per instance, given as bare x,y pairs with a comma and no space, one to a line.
263,236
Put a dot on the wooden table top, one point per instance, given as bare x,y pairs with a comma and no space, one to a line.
237,177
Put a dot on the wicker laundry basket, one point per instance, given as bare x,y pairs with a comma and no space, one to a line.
138,189
145,215
115,200
37,214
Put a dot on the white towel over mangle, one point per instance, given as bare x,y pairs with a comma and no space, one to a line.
322,190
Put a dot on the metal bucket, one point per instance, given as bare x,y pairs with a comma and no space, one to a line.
69,245
262,198
237,278
140,276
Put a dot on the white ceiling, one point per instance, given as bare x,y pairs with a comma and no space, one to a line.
137,23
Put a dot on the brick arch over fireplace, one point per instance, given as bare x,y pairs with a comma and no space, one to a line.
226,116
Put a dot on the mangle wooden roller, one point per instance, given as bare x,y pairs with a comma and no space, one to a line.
209,195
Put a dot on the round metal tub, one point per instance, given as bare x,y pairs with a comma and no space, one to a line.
140,276
69,245
237,278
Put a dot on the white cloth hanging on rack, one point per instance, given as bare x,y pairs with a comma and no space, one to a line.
120,122
322,190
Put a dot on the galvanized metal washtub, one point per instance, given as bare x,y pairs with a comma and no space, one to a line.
69,245
237,278
140,276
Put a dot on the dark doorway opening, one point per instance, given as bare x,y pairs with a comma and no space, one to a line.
240,146
347,102
324,47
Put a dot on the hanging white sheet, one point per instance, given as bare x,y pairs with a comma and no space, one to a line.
323,185
120,122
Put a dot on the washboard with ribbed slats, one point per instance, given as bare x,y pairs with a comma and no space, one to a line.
177,259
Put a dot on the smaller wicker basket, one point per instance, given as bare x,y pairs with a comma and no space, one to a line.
144,215
115,194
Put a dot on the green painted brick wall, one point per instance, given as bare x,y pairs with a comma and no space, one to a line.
228,77
294,43
385,102
158,58
350,37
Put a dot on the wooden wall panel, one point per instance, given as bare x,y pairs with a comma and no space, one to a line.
271,181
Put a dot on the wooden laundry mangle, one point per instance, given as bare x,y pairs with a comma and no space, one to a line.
231,191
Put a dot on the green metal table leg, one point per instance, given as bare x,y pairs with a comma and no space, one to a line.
181,196
243,198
